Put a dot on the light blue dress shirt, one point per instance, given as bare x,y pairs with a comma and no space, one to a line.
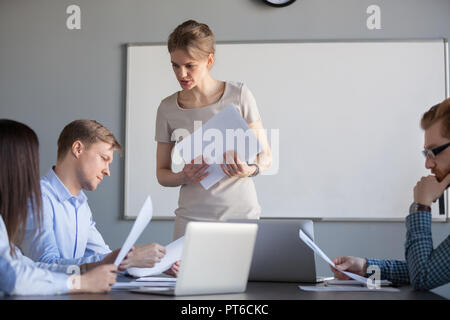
21,276
68,233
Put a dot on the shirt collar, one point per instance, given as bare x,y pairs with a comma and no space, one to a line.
61,190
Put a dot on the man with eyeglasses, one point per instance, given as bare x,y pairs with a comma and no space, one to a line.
425,268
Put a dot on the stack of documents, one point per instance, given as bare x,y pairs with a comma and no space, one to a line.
348,288
165,282
157,281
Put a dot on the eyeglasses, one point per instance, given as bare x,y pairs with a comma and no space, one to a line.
435,151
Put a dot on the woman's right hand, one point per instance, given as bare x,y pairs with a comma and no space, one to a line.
98,280
194,172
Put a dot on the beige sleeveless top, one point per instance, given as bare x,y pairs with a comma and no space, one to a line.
230,198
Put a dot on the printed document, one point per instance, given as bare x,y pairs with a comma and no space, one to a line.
144,217
317,250
226,131
174,252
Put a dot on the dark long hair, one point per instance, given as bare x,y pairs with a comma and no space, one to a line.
19,179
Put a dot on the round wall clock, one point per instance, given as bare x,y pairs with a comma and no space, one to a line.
279,3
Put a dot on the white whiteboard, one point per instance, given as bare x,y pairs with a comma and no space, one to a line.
347,115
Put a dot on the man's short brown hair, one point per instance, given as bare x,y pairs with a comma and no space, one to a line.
86,131
436,113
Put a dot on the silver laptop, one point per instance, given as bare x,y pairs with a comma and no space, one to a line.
216,259
280,255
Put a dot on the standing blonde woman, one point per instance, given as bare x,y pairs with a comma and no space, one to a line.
192,47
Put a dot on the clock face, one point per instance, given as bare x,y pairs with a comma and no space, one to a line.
279,3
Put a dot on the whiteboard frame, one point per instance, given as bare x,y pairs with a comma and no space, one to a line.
126,217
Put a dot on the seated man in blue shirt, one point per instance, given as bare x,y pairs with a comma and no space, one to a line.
69,235
425,268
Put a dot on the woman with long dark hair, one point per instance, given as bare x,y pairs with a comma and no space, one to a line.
20,188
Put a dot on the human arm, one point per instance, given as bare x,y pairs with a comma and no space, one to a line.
250,113
264,158
95,243
395,271
98,280
235,167
22,276
144,256
192,173
351,264
41,244
428,267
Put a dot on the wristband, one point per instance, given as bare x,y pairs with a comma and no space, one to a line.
416,207
256,170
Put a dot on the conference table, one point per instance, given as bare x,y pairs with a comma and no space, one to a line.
254,291
261,300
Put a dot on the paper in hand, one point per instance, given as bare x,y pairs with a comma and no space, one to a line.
144,217
226,131
317,250
174,251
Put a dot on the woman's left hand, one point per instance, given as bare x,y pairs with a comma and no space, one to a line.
234,167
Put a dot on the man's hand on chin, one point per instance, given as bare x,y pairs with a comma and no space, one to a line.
429,189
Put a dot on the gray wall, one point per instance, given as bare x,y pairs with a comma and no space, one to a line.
50,76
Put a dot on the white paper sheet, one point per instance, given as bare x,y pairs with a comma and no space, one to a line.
135,284
144,217
174,252
346,289
215,175
156,279
317,250
227,119
354,282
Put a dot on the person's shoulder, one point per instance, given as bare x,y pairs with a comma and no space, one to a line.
235,86
168,102
238,88
48,191
46,186
233,91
